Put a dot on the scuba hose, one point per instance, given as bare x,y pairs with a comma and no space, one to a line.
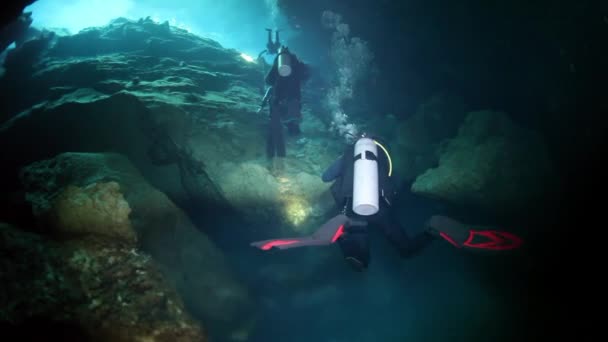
388,156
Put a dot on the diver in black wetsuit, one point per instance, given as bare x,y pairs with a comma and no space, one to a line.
363,192
354,241
285,79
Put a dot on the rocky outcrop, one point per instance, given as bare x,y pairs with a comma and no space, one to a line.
139,55
180,107
493,165
75,190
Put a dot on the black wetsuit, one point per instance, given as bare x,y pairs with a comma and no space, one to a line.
355,240
285,104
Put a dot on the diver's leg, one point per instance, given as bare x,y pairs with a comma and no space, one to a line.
354,244
294,116
273,145
293,128
398,237
279,139
270,142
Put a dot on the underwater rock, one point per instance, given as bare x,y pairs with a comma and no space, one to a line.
419,137
11,11
79,120
15,30
249,183
291,201
492,165
145,37
98,123
192,262
87,290
97,209
170,63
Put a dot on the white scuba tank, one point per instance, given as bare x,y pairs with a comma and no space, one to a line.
365,178
284,66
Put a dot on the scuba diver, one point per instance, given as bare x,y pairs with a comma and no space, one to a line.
363,191
284,98
271,47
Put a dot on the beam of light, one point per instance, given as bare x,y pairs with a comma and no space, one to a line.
296,209
247,58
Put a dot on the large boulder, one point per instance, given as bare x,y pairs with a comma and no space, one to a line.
79,188
492,165
97,209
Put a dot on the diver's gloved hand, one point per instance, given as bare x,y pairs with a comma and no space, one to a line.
478,238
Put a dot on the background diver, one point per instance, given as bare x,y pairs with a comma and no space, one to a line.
284,98
363,190
271,47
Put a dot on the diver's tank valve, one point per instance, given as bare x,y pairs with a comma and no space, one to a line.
365,180
284,66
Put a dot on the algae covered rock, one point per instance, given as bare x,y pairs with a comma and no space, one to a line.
95,290
99,209
492,164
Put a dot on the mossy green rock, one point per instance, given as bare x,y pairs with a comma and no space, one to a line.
187,257
492,165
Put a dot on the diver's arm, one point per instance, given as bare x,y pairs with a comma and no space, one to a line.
265,99
266,96
262,54
333,171
303,71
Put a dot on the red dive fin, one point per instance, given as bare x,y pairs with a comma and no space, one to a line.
462,236
327,234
